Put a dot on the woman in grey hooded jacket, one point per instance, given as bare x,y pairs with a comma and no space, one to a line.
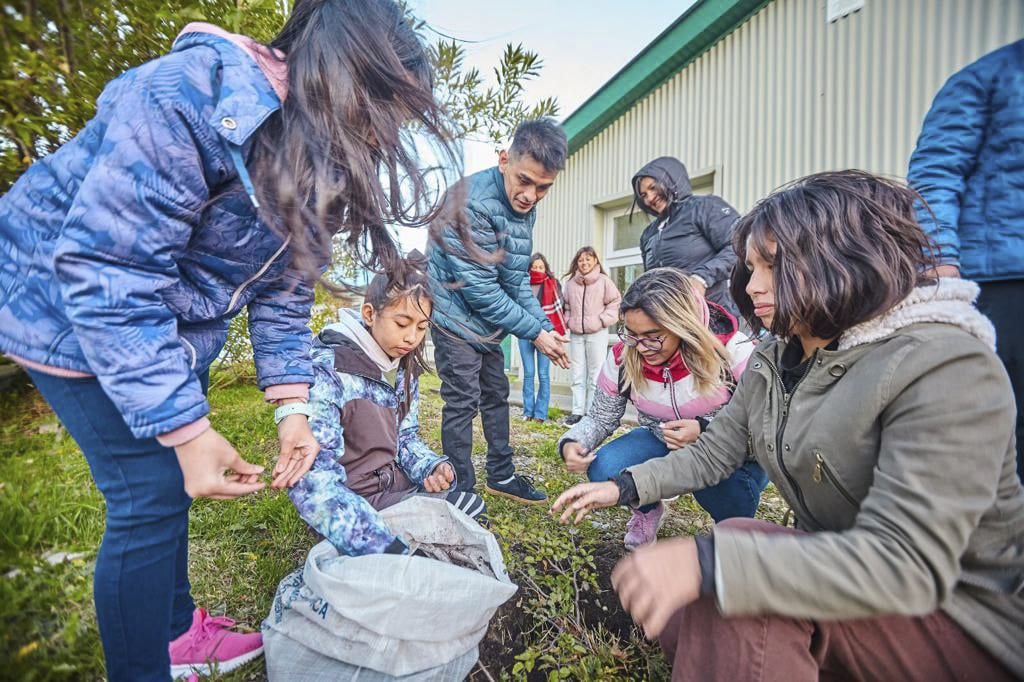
886,421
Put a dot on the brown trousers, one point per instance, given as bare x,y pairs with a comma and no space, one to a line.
705,645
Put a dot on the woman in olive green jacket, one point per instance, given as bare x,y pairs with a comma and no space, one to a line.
885,420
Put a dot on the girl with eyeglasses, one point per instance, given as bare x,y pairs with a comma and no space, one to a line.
678,361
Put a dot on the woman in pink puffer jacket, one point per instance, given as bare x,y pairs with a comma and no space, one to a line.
591,306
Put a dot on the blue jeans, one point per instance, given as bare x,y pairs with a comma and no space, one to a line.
140,585
737,495
538,409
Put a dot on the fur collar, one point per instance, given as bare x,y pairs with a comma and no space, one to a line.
950,301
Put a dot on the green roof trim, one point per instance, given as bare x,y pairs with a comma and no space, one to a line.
687,38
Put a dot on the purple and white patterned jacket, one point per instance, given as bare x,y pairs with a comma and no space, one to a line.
370,455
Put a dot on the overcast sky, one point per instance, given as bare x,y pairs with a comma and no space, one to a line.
583,43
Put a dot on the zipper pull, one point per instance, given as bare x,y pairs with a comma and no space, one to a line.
818,466
243,174
785,404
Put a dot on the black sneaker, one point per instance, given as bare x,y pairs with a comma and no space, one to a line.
520,489
572,419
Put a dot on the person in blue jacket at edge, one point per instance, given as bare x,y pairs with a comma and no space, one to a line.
969,169
211,179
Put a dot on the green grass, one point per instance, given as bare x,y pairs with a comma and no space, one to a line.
564,623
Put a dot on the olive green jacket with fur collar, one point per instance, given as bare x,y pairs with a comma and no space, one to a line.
896,451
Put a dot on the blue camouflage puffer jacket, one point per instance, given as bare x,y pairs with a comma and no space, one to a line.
490,299
125,253
969,167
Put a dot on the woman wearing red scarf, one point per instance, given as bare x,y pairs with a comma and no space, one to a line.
549,292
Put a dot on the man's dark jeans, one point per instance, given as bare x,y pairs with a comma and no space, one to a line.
473,381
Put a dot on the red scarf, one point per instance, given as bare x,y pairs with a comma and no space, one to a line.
548,297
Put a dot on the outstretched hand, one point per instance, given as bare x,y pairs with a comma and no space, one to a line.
552,344
583,498
211,467
298,450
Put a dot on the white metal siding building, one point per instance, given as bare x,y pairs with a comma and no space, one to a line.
751,94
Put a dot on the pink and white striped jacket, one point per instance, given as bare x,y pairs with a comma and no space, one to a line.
667,394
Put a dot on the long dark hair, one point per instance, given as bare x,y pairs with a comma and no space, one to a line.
540,257
671,198
407,278
359,85
848,248
574,266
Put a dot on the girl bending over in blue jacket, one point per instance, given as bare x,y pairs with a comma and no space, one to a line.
365,403
211,180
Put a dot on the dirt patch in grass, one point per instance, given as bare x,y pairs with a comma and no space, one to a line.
499,647
512,625
605,607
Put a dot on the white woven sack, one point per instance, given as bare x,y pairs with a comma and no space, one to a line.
290,661
392,613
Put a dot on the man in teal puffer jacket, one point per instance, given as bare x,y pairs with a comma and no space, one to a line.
476,304
969,168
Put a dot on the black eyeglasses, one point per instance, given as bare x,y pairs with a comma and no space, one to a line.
651,343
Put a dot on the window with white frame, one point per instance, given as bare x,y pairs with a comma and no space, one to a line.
622,259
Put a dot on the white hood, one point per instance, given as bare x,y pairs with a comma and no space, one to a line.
350,323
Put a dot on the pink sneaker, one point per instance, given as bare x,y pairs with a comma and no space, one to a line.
642,529
210,645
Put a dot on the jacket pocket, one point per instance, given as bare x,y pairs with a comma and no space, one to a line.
823,474
193,357
202,344
65,344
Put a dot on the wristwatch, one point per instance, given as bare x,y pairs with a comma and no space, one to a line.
290,409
